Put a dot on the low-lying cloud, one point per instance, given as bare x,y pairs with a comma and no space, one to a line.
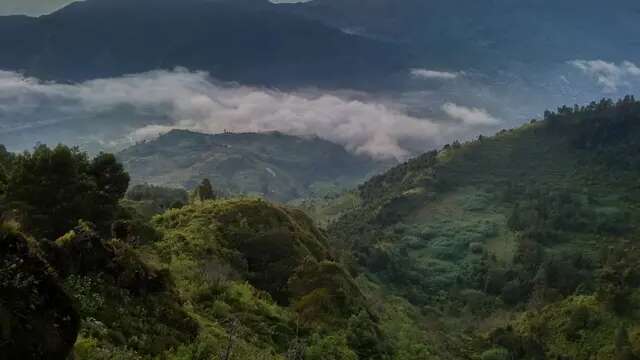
609,75
470,116
434,74
119,111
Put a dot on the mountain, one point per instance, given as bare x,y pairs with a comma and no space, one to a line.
233,278
256,277
491,34
352,44
247,42
518,246
526,239
275,165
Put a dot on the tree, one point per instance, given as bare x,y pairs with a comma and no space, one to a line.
365,338
3,182
6,160
205,191
618,278
333,347
622,345
111,183
54,188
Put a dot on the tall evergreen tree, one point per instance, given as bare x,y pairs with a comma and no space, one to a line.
205,191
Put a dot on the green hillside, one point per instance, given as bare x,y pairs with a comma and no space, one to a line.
517,246
483,232
277,166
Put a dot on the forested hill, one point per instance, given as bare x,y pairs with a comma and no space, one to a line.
518,246
273,165
83,274
489,233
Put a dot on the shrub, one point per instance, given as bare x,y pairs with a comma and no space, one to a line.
332,347
581,318
495,354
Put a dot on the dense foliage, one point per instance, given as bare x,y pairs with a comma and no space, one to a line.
231,279
51,189
37,318
272,165
500,226
518,246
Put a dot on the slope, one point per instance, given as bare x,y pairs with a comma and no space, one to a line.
491,34
235,42
274,165
477,233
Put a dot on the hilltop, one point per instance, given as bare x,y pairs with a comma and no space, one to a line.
274,165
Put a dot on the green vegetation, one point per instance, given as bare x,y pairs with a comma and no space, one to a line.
51,189
37,319
518,246
494,228
149,200
271,165
229,279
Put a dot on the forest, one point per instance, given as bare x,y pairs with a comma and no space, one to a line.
522,245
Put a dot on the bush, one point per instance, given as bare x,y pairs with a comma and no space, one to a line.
495,354
88,348
333,347
581,318
366,339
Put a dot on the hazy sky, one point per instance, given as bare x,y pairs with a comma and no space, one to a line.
30,7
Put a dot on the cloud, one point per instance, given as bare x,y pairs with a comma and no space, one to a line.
470,116
609,75
435,75
121,111
31,7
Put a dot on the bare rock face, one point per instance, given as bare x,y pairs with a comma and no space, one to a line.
37,318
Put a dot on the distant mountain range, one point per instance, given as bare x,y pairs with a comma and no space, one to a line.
490,34
277,166
511,58
326,43
248,41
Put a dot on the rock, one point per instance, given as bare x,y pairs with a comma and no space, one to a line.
37,318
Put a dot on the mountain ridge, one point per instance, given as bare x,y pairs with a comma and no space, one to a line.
495,233
520,245
272,48
278,166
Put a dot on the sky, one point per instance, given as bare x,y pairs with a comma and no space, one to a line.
31,7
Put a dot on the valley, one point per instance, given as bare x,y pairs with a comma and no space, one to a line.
272,165
517,245
319,180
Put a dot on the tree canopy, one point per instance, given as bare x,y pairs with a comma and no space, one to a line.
52,188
